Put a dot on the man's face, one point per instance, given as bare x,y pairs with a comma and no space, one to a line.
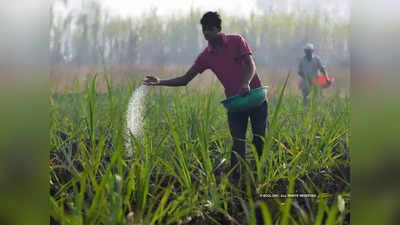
308,52
210,33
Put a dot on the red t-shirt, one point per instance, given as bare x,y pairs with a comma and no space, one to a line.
228,65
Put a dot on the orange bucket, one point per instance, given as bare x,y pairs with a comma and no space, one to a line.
322,82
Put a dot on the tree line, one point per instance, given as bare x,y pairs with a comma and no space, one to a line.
93,37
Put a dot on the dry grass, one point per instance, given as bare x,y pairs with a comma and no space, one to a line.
64,79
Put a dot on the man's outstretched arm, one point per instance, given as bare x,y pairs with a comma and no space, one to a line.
174,82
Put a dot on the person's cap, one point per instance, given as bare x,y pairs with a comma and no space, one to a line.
309,46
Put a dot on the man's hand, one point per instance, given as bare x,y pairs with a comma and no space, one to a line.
244,90
327,79
151,81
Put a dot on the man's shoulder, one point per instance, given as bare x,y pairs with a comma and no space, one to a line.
235,37
316,57
204,52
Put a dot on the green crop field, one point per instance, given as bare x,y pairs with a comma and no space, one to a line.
176,170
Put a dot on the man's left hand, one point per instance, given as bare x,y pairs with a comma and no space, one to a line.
244,90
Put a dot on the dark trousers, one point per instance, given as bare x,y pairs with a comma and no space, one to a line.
238,126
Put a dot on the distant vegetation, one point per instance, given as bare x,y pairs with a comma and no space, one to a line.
91,37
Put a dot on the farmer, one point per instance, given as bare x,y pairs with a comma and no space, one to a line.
308,69
230,58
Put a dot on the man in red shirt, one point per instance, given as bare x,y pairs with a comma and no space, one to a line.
230,58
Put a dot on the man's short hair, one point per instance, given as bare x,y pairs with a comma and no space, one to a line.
211,19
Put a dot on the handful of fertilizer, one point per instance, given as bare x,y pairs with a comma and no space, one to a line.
134,113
